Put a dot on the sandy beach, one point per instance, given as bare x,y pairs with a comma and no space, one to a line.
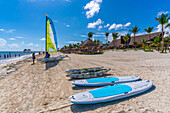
44,87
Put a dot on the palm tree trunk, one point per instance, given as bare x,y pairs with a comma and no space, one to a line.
149,42
162,47
134,41
126,43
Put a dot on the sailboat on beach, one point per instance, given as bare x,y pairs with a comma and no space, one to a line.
51,41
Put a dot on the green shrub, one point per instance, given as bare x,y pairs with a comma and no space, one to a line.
163,52
147,50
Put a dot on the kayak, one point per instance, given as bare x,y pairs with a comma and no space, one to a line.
111,93
105,81
90,74
83,70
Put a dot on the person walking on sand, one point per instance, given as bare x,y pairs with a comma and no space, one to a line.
33,58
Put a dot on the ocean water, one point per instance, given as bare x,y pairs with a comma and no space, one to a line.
7,57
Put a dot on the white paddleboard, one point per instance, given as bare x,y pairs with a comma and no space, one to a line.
105,81
111,93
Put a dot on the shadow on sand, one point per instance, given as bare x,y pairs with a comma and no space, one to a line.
83,108
84,87
50,64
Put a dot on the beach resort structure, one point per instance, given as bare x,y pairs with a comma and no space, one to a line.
121,43
90,46
87,46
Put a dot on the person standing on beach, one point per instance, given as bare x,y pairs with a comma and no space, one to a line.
33,57
47,55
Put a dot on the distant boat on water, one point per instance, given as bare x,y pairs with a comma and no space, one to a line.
27,50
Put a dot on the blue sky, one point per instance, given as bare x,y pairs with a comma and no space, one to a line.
22,22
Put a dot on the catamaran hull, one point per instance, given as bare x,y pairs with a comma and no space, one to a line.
52,59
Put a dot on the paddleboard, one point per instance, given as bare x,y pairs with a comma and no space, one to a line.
111,93
105,81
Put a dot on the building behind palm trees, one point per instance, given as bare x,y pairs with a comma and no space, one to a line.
88,46
121,43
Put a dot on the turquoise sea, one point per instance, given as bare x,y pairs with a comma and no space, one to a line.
12,54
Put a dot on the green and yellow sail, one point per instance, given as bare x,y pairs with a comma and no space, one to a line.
51,39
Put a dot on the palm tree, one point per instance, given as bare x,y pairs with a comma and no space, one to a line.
106,34
163,20
149,30
168,25
97,41
134,30
144,43
90,34
166,39
115,36
126,38
157,41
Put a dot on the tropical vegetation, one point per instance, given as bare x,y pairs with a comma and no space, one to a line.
134,30
106,34
157,41
90,34
144,44
163,20
126,38
149,30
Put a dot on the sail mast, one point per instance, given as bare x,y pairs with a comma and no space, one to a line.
46,33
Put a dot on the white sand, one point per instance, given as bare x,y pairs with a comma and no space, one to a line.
45,87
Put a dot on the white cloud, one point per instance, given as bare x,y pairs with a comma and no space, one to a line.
100,33
2,29
68,25
22,42
100,27
142,33
14,45
116,27
83,35
160,13
11,30
123,33
107,25
72,42
92,7
94,24
42,39
30,44
3,42
18,37
97,35
127,24
12,39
